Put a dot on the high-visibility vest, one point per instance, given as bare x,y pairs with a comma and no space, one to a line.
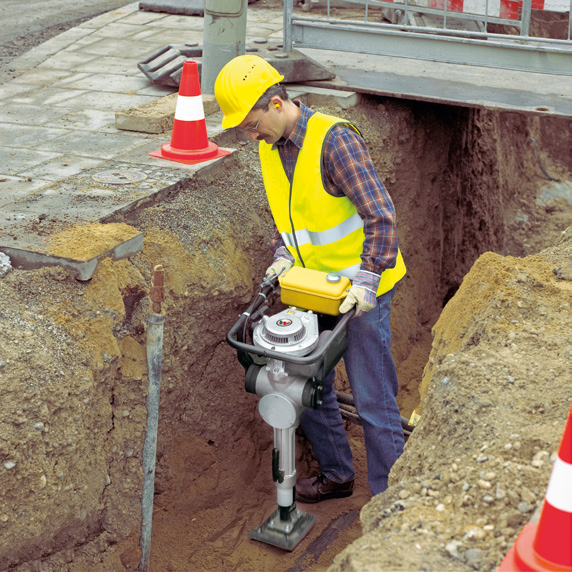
325,231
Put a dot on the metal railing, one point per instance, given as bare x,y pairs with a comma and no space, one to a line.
468,32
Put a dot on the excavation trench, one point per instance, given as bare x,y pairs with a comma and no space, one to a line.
463,181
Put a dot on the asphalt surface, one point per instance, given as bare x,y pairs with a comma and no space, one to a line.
23,27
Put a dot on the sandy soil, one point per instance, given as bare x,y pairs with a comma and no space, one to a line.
495,366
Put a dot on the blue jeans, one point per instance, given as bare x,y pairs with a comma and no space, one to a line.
373,381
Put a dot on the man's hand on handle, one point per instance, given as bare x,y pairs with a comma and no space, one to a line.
362,294
281,266
282,262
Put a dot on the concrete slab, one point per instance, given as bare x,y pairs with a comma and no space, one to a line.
106,100
109,17
59,117
61,167
94,145
41,76
14,188
69,61
165,36
466,86
45,97
22,113
10,90
63,40
117,30
111,64
14,161
114,46
139,18
27,136
95,120
181,23
104,82
83,42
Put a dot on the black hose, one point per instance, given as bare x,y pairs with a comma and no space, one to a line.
266,289
348,410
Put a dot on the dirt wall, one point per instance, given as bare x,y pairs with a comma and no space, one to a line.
74,384
497,396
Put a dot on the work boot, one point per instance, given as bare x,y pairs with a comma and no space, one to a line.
319,488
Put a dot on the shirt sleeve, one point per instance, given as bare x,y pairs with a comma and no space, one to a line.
277,242
349,171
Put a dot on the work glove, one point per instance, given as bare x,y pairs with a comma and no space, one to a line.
362,294
283,261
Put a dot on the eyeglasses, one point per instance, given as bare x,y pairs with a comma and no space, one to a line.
255,128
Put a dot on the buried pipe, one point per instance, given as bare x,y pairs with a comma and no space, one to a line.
154,359
349,411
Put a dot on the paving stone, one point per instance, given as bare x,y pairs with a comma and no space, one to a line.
14,188
104,82
106,101
94,145
28,136
70,61
61,167
14,161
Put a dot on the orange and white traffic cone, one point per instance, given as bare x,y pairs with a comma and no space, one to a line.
189,142
547,544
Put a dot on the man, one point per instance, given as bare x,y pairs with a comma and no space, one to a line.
332,214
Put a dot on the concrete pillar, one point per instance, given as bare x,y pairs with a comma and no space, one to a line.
224,37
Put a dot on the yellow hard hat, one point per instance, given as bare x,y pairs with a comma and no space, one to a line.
240,84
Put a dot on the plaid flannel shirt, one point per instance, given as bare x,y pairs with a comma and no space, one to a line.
349,171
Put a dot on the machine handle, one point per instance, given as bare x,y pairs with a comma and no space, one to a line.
305,360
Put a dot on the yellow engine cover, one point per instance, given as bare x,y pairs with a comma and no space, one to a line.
307,289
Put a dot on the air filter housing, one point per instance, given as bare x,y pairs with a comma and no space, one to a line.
291,331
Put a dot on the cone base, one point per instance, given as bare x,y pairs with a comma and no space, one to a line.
523,557
192,156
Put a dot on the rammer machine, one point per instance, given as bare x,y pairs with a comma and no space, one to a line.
286,357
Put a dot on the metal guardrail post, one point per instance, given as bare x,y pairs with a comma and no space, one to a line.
525,17
224,37
287,33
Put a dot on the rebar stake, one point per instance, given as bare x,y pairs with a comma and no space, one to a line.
157,292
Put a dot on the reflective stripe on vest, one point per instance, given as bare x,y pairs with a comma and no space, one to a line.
328,230
323,237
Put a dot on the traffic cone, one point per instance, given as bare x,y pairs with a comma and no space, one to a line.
189,142
547,544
